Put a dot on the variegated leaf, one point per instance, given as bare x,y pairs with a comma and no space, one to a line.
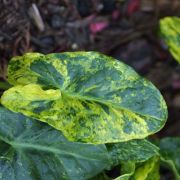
32,150
90,97
170,32
127,171
129,156
135,151
148,170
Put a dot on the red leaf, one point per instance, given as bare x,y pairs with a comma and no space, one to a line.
133,6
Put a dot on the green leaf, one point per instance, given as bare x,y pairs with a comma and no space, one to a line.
33,150
4,85
149,170
132,151
170,32
170,154
127,170
101,176
90,97
134,156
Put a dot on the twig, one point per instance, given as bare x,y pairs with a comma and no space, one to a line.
35,15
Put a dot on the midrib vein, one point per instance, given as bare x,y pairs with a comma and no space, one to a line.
109,104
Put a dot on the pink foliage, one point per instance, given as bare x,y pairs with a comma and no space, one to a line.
115,14
96,27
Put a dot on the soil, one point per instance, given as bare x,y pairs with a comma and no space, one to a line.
126,30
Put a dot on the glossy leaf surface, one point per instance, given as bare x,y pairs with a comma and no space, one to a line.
33,150
132,151
170,32
90,97
128,156
138,159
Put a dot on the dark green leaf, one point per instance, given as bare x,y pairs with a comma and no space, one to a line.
170,154
90,97
132,151
101,176
33,150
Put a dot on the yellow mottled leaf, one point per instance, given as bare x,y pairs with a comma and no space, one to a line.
90,97
170,32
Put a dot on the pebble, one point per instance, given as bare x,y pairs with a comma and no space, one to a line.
57,21
108,6
84,7
47,41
